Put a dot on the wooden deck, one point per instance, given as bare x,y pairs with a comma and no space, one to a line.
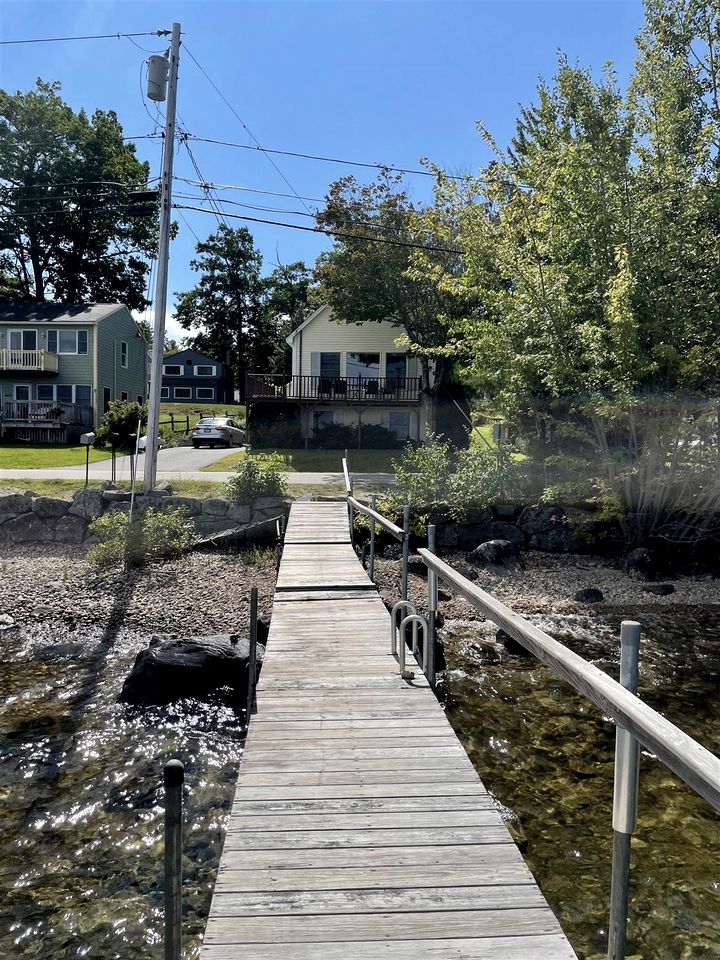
359,828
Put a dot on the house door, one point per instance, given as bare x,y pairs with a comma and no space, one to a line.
21,396
23,340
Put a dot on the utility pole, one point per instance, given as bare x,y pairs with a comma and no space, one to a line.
156,92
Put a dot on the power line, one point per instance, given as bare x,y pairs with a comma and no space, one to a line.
267,193
97,36
244,125
329,233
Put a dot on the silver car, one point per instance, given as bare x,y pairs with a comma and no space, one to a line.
222,431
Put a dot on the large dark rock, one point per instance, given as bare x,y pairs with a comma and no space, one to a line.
28,528
550,529
88,504
13,504
170,669
500,556
47,507
589,595
660,589
512,645
492,530
393,551
641,563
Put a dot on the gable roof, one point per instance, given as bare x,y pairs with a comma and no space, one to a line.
58,312
189,352
297,330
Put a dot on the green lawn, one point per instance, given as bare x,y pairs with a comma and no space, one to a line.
197,410
17,455
317,461
187,488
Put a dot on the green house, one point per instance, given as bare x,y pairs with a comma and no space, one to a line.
62,364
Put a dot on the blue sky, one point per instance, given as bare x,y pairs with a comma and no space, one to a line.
389,81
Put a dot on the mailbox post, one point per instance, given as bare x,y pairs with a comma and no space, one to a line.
87,439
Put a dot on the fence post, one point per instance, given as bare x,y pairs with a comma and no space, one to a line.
405,551
625,798
252,656
173,776
432,609
373,503
172,422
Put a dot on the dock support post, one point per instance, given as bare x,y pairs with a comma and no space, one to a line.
405,551
373,503
351,511
625,798
432,610
252,656
173,776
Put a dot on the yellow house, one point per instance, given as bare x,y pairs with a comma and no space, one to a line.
350,374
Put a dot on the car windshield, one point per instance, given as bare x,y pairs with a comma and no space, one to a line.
211,421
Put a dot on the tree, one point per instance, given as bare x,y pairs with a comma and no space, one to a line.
285,305
370,280
64,182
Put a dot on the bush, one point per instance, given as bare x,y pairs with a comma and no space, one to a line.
257,477
154,534
121,418
334,436
279,432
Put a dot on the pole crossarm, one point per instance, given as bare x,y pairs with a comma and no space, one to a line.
687,758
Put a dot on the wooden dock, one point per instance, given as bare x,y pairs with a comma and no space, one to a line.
360,829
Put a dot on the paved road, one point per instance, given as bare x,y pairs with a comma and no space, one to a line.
179,463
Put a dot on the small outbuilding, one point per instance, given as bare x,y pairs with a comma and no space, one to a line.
191,377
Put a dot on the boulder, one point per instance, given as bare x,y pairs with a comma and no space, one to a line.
511,645
589,595
173,668
215,506
13,504
47,507
239,513
393,552
70,529
191,504
28,528
551,529
640,563
497,556
446,534
88,504
163,489
660,589
492,530
6,622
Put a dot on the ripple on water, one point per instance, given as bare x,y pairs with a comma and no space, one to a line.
80,786
546,754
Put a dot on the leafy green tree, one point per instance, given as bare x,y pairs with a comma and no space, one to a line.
65,234
285,305
370,280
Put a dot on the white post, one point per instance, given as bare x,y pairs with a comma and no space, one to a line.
162,271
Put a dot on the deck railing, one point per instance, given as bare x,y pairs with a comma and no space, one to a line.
33,412
36,361
270,386
636,722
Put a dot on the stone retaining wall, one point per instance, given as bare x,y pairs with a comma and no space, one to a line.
27,518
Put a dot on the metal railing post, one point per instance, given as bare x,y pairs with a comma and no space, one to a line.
251,707
173,776
432,610
405,551
373,503
351,511
625,798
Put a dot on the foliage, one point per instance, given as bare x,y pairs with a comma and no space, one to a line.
64,178
275,431
334,436
257,477
240,317
591,243
366,280
154,534
122,418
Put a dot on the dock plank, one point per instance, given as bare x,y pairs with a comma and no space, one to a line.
359,828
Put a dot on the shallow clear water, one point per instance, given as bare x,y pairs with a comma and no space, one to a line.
81,798
547,756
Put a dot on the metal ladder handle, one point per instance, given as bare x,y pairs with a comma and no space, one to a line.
416,621
400,605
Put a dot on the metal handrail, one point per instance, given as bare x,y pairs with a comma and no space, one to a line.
692,762
417,621
401,605
348,485
378,518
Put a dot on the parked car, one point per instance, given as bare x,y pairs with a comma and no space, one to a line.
217,430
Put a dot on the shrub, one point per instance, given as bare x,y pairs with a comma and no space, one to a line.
154,534
278,432
334,436
121,418
257,477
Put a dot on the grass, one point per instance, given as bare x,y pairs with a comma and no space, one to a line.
17,455
201,489
197,410
317,461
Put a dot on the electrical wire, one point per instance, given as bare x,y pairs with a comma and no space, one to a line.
98,36
267,193
330,233
244,125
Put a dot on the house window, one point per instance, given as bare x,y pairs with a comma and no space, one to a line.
123,396
164,394
106,399
204,371
123,354
83,395
172,370
363,365
330,365
140,400
399,424
64,393
23,339
67,341
21,392
205,393
46,392
395,366
182,393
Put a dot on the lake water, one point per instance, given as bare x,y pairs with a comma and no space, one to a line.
81,794
546,754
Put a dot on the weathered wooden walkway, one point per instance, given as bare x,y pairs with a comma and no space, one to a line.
359,828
